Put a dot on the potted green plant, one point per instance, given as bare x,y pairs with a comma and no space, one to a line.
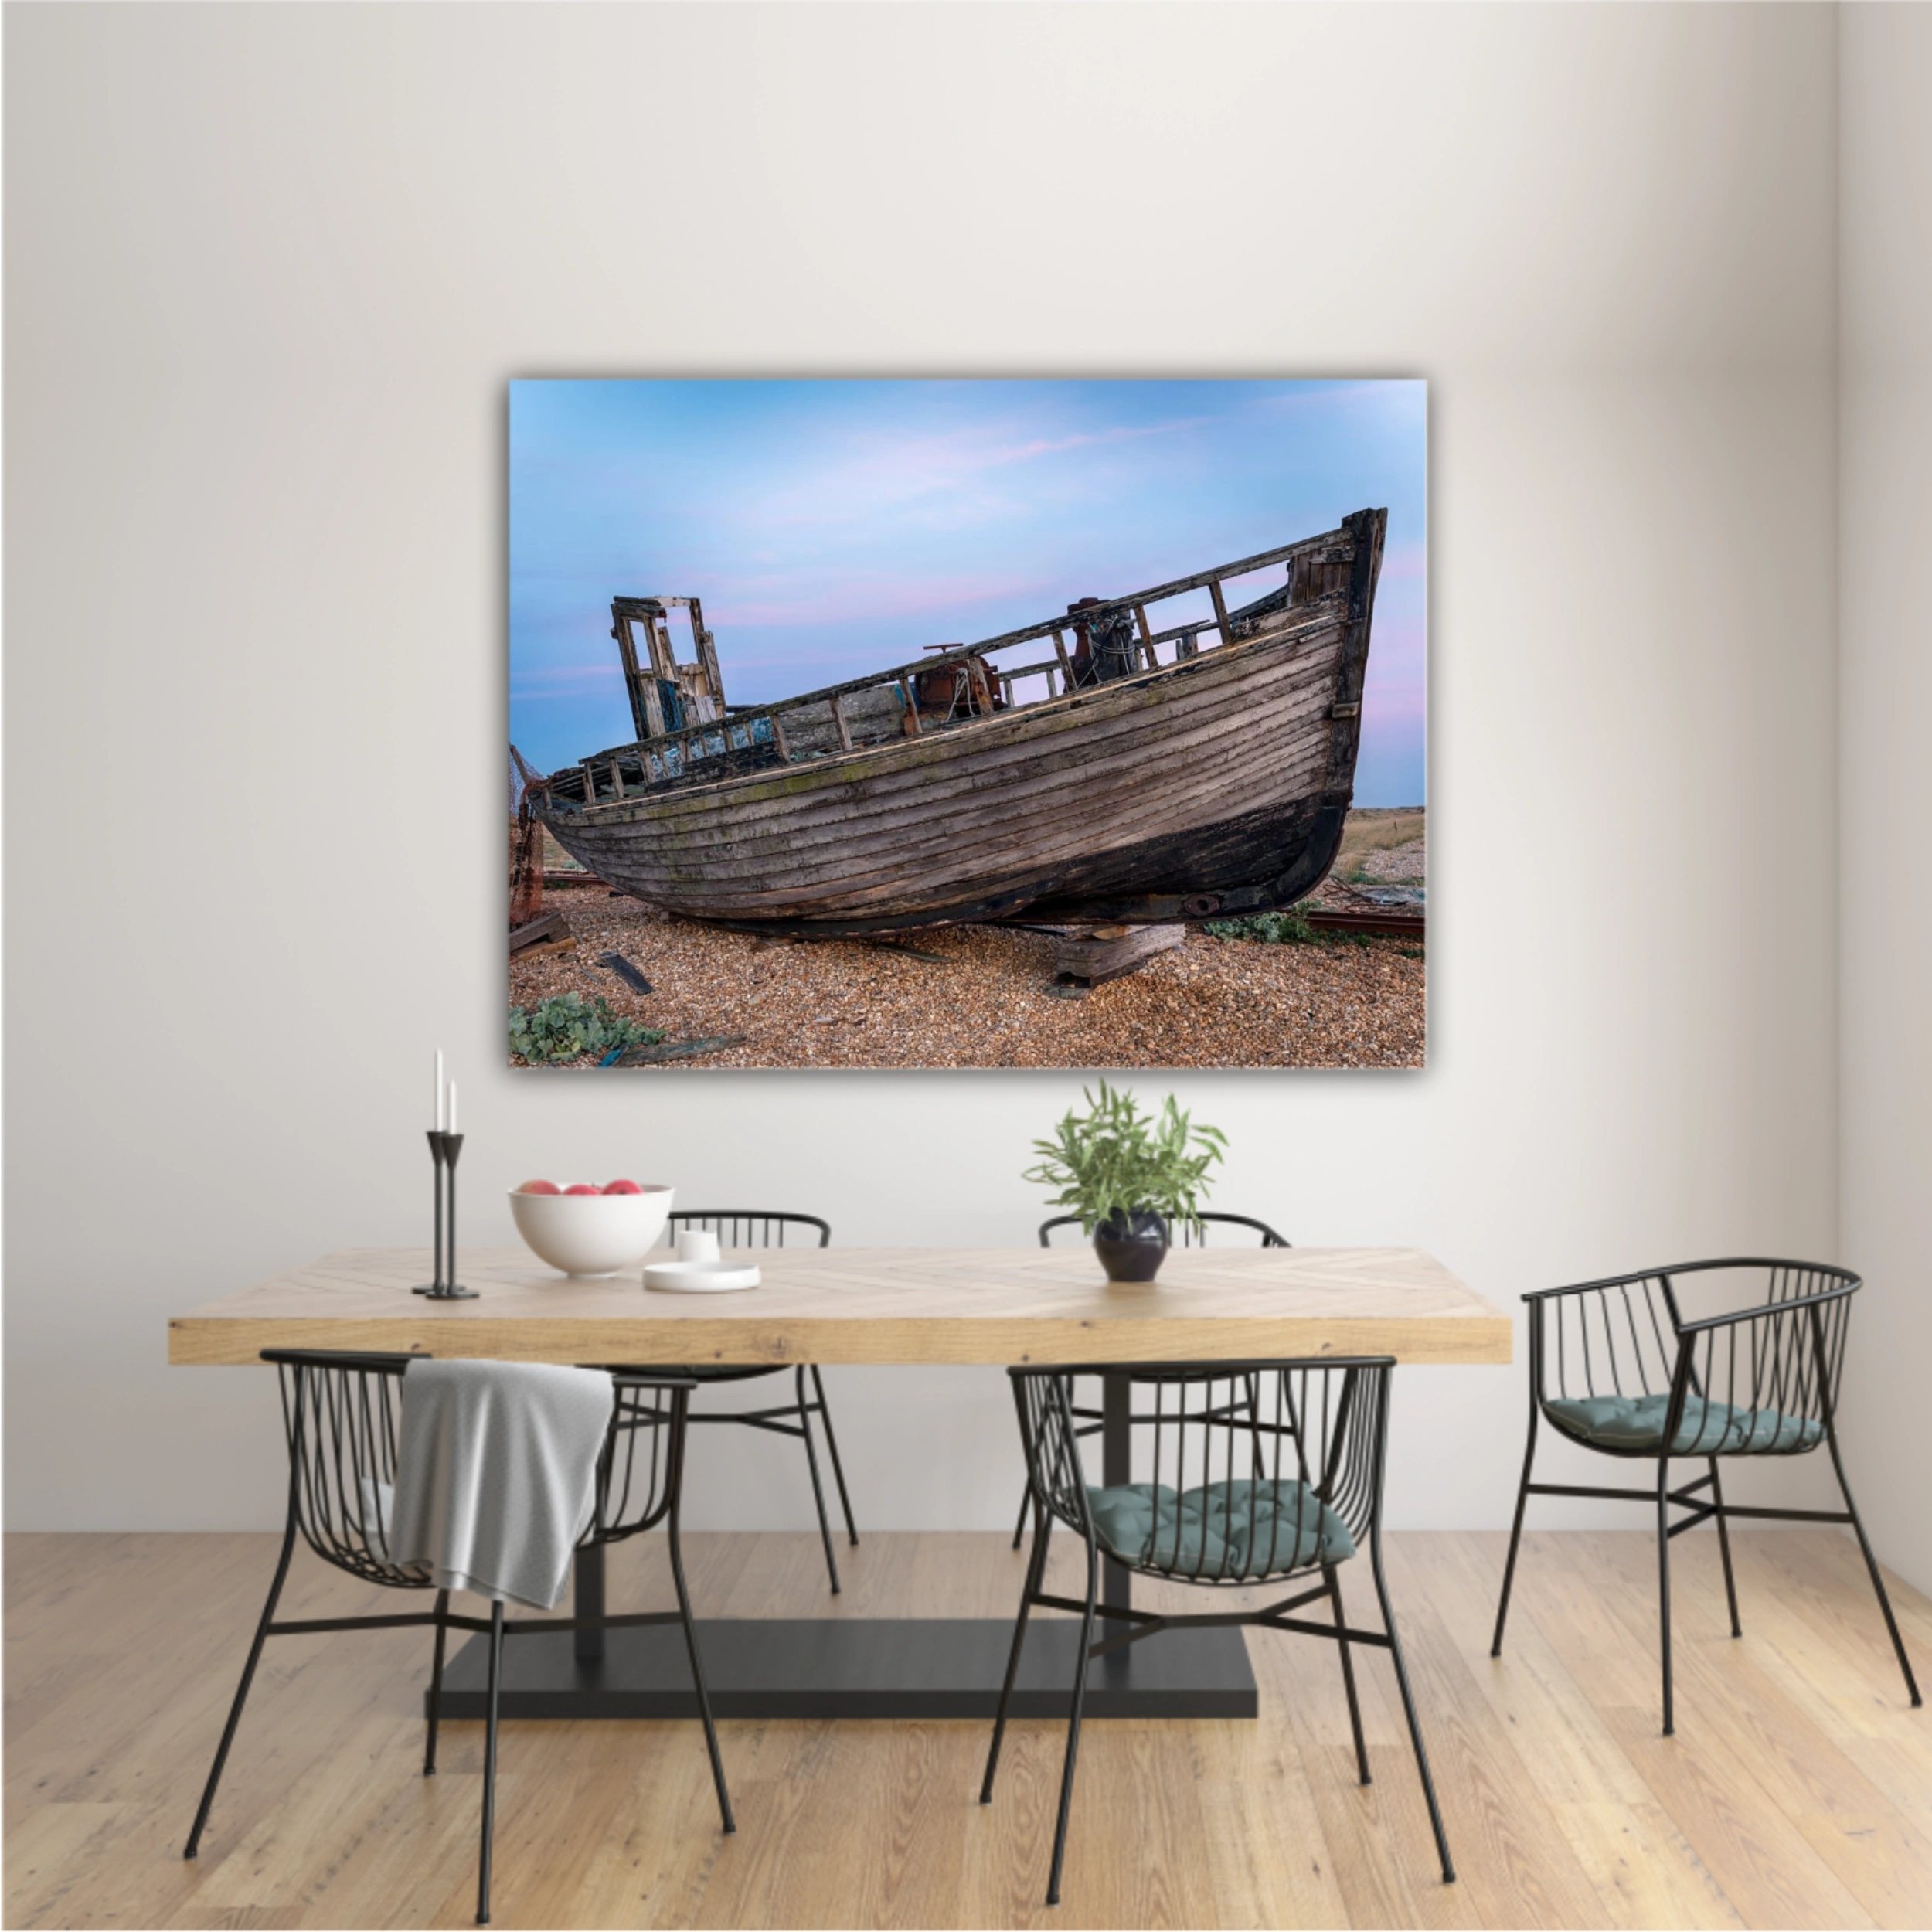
1129,1176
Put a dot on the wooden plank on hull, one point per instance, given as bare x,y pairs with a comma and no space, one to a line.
846,865
1053,804
1123,714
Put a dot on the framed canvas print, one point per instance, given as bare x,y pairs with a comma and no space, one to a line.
967,723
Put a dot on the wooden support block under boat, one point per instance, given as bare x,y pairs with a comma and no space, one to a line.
552,930
1091,955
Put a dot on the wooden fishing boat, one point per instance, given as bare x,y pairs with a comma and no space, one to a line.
1139,774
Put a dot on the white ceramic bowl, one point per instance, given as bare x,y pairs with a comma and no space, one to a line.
593,1235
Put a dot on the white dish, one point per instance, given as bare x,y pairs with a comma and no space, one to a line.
591,1236
701,1277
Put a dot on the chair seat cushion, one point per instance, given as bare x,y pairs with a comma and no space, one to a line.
1704,1428
1232,1528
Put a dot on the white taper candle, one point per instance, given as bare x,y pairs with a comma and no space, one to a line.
452,1126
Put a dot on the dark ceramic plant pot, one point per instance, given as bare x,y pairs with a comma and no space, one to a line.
1131,1249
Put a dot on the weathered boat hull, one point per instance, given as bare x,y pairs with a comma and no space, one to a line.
1214,785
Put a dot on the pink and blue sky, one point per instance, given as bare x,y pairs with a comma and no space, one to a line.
835,528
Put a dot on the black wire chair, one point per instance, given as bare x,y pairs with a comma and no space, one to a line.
1613,1366
1193,1235
746,1228
341,1413
1262,1471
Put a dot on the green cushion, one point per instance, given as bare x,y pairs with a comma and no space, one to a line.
1704,1428
1238,1528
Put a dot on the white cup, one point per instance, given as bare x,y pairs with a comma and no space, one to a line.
697,1244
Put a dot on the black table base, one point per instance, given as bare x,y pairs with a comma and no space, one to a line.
848,1667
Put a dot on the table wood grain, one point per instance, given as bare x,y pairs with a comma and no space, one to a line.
988,1306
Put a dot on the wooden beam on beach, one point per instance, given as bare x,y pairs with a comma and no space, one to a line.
675,1049
552,930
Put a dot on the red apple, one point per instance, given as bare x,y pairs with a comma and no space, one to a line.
580,1187
622,1187
539,1187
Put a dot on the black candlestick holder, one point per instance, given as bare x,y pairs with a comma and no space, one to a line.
443,1150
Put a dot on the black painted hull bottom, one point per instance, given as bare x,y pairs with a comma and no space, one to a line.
1256,863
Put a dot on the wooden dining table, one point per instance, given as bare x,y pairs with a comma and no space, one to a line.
905,1307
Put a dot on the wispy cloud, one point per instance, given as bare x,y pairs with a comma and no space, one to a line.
945,472
841,598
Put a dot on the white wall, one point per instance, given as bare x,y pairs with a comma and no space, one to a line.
1884,520
268,270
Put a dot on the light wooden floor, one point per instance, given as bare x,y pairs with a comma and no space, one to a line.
1798,1791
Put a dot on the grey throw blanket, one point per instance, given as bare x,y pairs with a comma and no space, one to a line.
496,1474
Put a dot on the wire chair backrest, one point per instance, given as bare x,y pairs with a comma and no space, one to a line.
1762,1379
1191,1234
752,1228
341,1416
1242,1469
642,1470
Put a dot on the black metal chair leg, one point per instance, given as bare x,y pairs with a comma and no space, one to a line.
1871,1569
831,1445
1663,1578
1348,1670
1409,1707
1515,1532
1035,1569
817,1487
489,1764
241,1691
1724,1546
1074,1727
1019,1528
673,1539
436,1683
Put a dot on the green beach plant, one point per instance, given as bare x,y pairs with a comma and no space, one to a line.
1115,1162
1289,926
570,1026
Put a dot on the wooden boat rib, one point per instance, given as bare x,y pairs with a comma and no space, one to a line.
1211,781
